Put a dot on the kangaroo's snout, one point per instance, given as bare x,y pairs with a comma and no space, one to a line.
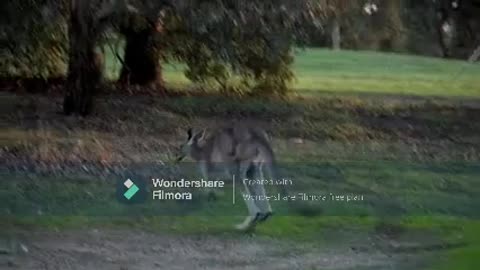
180,158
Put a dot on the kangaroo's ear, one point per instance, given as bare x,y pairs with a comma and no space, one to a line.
189,133
200,136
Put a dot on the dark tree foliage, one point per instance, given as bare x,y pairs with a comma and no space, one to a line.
465,18
33,38
453,26
253,40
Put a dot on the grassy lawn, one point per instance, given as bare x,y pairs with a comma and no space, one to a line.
435,204
366,72
348,71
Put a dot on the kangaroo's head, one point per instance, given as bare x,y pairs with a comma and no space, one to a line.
192,145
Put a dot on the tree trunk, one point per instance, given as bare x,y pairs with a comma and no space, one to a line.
441,42
442,19
84,68
336,34
141,59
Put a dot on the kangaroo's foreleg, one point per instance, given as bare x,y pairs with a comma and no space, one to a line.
204,170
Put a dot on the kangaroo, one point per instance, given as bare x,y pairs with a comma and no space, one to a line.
245,149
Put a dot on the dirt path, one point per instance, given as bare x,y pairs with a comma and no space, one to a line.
122,250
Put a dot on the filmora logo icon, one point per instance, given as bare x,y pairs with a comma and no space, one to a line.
131,191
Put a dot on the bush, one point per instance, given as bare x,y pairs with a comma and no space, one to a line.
258,65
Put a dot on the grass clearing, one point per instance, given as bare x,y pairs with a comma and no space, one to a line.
320,71
363,72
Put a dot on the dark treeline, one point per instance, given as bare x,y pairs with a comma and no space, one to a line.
440,28
217,40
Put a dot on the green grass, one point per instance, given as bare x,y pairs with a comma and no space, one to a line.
439,199
348,71
467,257
322,70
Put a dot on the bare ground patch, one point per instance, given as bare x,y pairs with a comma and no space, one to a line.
107,250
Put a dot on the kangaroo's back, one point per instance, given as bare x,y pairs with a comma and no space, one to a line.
252,142
238,142
221,146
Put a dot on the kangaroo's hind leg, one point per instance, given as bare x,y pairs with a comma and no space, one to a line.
262,202
253,211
